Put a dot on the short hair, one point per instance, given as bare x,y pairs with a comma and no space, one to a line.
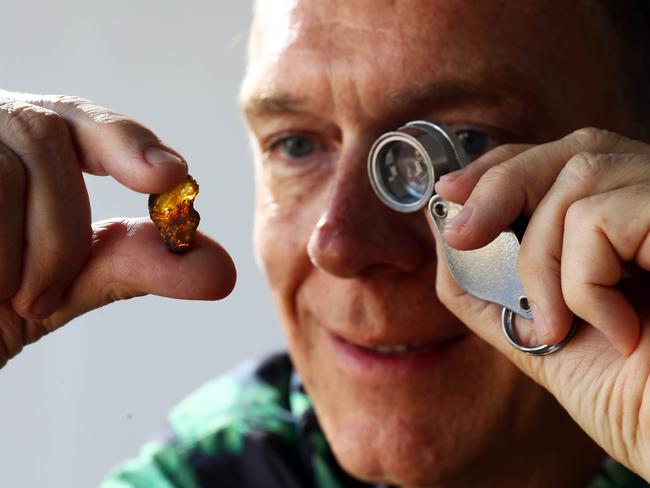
631,22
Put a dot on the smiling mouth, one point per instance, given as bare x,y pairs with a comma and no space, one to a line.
400,360
394,348
400,349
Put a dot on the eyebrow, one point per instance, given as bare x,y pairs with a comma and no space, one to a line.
517,91
273,103
440,91
268,103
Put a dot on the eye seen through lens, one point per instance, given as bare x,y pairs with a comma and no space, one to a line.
404,172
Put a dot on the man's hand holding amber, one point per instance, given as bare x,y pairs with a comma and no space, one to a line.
55,264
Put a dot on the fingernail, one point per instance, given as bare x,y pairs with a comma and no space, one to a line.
453,176
157,155
48,302
460,221
540,322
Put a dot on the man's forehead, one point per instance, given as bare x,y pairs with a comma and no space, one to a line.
305,49
282,23
403,19
294,41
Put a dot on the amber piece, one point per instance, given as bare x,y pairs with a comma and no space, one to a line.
174,215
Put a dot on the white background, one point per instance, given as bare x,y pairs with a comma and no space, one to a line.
87,396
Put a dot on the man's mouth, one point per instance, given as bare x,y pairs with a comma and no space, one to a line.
384,359
400,349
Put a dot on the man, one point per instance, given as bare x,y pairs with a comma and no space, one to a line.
410,380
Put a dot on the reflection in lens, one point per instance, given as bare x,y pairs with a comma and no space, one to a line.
404,172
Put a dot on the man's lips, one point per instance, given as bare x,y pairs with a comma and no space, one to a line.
394,348
394,345
383,358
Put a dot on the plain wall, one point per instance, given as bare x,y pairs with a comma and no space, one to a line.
86,397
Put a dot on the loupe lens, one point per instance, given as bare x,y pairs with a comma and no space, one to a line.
403,172
403,165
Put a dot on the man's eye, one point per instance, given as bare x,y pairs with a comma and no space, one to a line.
476,143
296,146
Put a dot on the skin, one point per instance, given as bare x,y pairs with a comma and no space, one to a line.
347,273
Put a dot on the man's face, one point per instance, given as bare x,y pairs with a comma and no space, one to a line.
404,392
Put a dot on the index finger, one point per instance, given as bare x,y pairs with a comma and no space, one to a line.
501,191
110,143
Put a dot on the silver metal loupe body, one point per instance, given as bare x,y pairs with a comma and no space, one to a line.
403,167
405,164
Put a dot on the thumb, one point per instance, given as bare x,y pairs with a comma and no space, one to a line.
128,259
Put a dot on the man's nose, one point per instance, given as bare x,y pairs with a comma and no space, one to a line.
357,233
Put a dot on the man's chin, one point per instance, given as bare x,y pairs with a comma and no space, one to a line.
408,434
415,429
377,452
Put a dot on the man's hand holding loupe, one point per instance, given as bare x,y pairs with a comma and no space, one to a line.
585,252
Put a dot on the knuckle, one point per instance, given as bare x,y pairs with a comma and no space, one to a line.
64,104
503,152
92,110
508,148
85,107
65,100
28,126
502,174
591,138
75,107
509,151
585,167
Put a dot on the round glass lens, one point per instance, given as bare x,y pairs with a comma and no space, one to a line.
404,172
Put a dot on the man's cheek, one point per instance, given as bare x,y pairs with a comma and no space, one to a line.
287,189
268,248
280,239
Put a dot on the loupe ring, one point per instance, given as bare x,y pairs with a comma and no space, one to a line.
508,327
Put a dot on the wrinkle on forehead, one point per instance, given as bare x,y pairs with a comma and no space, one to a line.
279,24
344,28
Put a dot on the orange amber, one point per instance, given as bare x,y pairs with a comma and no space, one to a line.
174,215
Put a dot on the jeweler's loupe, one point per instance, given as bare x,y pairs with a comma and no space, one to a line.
405,164
403,167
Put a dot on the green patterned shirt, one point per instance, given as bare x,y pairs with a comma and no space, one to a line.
256,428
